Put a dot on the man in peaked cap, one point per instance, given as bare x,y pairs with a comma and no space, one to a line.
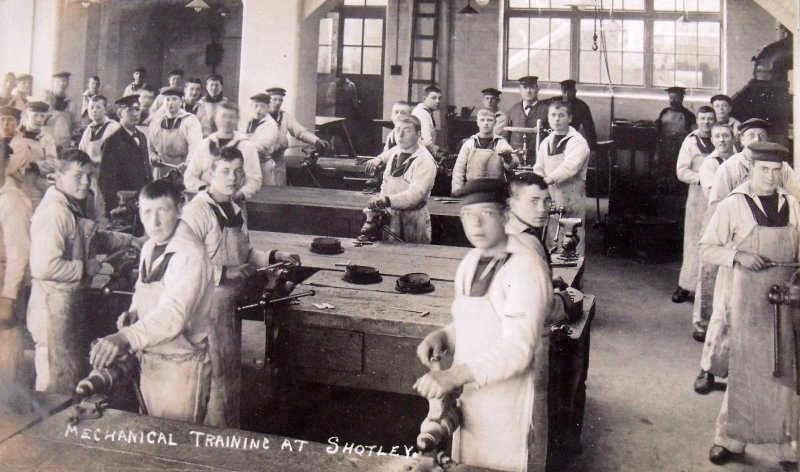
527,112
581,113
174,81
755,225
491,100
22,90
173,135
139,79
41,150
673,124
271,133
6,89
64,113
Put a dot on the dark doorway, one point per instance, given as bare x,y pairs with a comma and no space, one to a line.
350,71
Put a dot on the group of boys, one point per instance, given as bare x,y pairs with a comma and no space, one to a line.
740,238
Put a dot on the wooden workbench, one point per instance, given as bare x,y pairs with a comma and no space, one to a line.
52,446
330,212
439,262
43,405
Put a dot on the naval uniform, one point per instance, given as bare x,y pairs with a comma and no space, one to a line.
172,140
198,168
408,180
41,150
498,322
206,109
672,127
757,407
565,159
582,121
479,158
690,158
222,228
172,300
62,120
429,129
270,135
15,246
65,239
524,115
124,166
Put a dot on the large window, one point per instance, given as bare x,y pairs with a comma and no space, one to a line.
649,43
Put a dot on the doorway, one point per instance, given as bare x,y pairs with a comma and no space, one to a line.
350,69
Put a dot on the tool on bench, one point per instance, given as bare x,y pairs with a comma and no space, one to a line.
377,221
571,239
787,295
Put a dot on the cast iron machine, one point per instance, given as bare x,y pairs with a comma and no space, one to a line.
787,295
377,221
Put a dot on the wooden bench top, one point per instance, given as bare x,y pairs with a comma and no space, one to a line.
44,405
51,445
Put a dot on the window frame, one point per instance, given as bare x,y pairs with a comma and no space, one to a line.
649,15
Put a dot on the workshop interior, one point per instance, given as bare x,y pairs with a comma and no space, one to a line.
379,235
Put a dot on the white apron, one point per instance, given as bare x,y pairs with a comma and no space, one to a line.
12,391
171,144
94,150
412,225
570,194
762,408
56,322
484,164
59,124
696,205
273,168
497,420
175,375
225,338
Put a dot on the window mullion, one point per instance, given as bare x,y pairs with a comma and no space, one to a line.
575,47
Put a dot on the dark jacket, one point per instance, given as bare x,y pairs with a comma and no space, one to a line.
517,118
583,122
124,165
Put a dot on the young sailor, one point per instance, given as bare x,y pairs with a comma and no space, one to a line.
484,155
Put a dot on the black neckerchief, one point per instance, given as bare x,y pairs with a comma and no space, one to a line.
210,99
171,123
704,144
769,219
277,116
96,131
400,164
484,143
60,103
253,124
157,274
559,148
190,108
34,135
480,285
430,112
226,219
214,147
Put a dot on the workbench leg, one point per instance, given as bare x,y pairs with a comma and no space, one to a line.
346,133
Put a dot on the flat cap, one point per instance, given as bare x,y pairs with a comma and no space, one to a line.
483,191
128,100
23,77
260,97
754,123
172,92
38,106
770,152
140,70
10,111
676,90
175,72
529,80
568,84
491,91
62,75
276,91
722,97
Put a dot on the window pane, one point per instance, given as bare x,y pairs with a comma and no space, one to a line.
326,31
633,39
708,38
517,33
663,70
352,31
539,64
518,3
709,69
372,61
559,4
590,67
686,70
624,4
377,3
559,65
708,5
587,30
517,63
685,38
354,3
633,68
373,32
560,35
614,67
665,5
539,4
540,33
324,60
689,5
351,60
664,36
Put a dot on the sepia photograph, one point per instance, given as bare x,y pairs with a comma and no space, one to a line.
399,235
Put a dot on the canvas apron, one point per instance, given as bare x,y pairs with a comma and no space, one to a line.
13,394
225,338
570,194
273,168
707,279
56,322
696,205
175,375
94,150
484,164
59,124
172,147
497,427
413,224
761,408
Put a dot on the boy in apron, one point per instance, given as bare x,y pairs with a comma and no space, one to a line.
502,297
400,110
483,155
168,323
215,219
694,149
755,225
41,151
173,134
62,266
563,159
407,183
